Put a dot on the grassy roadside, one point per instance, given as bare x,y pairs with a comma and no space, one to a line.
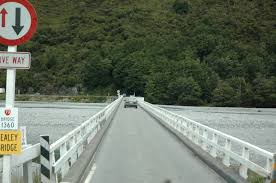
255,178
59,98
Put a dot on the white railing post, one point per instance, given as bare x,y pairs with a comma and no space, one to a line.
179,124
186,129
226,158
243,168
182,127
72,142
52,161
213,151
269,168
196,139
205,138
27,172
191,133
75,155
80,148
99,124
63,151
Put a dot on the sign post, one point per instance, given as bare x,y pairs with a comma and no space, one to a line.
18,23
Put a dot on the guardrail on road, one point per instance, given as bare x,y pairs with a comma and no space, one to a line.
216,142
65,151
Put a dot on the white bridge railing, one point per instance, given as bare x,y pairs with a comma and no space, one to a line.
65,151
217,143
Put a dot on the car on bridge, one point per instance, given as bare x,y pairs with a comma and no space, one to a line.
131,102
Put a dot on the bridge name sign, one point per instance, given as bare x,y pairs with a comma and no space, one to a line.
10,142
8,118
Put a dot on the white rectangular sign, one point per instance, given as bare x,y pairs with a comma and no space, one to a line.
16,60
8,118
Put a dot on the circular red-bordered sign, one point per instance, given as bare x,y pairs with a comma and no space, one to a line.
27,36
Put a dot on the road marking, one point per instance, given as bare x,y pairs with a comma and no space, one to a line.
91,173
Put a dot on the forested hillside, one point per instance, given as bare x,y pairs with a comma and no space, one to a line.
185,52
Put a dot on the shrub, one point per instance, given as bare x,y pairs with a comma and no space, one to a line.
181,7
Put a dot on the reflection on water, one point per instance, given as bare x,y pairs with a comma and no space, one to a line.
256,126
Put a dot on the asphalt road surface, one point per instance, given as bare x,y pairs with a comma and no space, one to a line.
136,149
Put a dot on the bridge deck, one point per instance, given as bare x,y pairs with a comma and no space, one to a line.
137,149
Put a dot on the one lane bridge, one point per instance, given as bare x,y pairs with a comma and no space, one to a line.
137,149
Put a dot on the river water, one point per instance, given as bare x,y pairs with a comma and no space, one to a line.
54,119
256,126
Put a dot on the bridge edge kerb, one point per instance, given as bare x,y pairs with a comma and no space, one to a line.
228,174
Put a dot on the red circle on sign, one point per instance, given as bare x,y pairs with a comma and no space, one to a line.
7,112
32,29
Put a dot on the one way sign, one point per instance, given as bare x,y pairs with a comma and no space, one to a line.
18,22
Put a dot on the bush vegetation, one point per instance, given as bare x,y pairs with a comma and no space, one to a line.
186,52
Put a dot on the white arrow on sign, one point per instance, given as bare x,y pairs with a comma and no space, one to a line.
16,60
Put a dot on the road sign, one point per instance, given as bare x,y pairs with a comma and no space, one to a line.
8,118
10,142
18,22
15,60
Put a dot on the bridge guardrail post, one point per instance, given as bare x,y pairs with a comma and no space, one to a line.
80,148
243,168
27,172
73,157
213,151
45,164
273,173
63,151
196,139
186,128
182,127
205,137
52,161
226,158
190,130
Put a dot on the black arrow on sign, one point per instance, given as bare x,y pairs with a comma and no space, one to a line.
17,28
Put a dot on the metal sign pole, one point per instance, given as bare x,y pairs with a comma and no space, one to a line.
10,96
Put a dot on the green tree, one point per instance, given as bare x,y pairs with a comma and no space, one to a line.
156,88
224,95
181,6
184,91
265,92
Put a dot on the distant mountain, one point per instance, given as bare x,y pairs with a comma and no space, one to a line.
185,52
